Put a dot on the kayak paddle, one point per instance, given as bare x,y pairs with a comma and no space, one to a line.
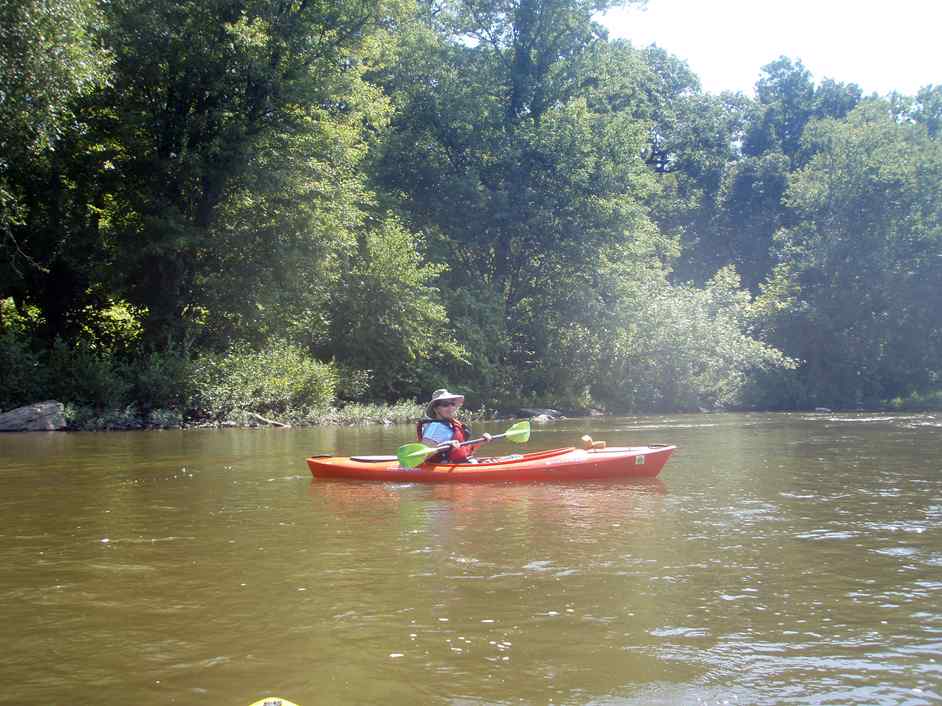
411,455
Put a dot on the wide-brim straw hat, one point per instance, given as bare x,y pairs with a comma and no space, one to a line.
440,395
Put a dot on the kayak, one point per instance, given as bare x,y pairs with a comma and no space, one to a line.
554,465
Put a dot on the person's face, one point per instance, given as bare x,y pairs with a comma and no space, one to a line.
446,409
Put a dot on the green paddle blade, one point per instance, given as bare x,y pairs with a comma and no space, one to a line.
519,432
411,455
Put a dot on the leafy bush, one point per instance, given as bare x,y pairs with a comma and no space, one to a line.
406,412
917,402
683,348
88,377
23,375
352,384
277,380
164,380
85,418
165,419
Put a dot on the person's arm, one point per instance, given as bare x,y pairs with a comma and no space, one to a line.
485,437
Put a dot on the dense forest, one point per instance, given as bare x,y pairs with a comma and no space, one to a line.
288,206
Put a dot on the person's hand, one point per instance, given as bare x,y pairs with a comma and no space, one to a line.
454,443
486,436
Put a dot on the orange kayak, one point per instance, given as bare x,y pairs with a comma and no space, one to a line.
558,464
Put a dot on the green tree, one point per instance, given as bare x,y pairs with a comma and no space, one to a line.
747,206
855,296
386,316
785,94
48,59
516,158
928,110
695,143
211,105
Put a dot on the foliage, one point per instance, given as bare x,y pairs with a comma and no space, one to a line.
203,202
49,59
278,380
917,402
23,376
750,149
48,55
353,384
859,273
81,374
927,109
481,328
233,158
681,347
385,315
164,383
403,412
523,173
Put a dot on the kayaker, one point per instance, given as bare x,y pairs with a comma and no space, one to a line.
441,427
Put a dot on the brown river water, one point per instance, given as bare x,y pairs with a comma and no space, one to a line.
778,559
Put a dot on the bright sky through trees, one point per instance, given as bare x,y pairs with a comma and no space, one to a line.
881,46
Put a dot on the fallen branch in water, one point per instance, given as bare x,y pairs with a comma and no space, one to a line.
269,422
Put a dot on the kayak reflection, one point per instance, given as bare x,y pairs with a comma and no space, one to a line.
611,497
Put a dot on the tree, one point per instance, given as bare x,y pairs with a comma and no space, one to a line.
695,143
747,207
517,158
785,94
229,141
642,344
386,316
48,59
926,109
856,294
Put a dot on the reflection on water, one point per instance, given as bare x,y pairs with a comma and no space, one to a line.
778,559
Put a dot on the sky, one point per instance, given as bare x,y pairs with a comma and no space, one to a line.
881,45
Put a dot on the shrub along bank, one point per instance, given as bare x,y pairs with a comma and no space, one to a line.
280,385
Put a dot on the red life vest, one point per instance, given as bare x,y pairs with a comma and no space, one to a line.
459,431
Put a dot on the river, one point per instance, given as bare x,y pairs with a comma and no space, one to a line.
778,559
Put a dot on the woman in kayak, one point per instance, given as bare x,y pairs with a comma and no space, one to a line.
441,427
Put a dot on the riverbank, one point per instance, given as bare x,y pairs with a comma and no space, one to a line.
55,416
280,385
354,414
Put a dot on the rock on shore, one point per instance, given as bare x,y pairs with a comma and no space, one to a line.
41,416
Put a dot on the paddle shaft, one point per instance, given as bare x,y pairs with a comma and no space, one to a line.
479,440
